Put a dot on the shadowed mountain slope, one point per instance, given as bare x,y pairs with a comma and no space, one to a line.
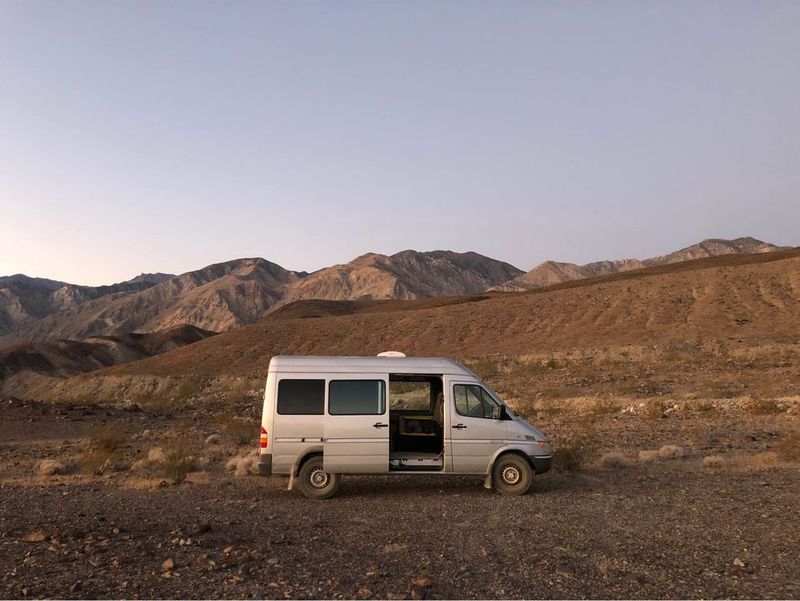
24,299
64,358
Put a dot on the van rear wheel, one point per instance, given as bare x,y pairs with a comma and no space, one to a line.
315,482
512,475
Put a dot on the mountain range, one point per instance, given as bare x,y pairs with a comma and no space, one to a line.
553,272
227,295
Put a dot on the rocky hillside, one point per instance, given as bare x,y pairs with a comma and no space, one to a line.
552,272
734,307
405,275
217,297
42,362
235,293
24,299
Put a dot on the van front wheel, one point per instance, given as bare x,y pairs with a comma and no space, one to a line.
315,482
512,475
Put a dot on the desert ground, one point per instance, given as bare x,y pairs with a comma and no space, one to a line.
646,500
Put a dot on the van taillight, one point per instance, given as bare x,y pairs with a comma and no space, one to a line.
262,438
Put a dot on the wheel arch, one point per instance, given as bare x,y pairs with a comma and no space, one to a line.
301,459
506,450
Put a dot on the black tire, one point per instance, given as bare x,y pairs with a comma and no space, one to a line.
512,475
314,482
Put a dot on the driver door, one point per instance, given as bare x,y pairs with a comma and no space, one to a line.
477,427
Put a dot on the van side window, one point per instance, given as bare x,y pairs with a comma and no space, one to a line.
301,397
473,401
357,397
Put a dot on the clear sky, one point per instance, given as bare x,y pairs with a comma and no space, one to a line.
165,136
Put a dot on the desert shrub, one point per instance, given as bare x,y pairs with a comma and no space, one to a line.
615,460
654,409
601,407
178,460
646,456
704,406
713,461
49,467
104,447
788,447
670,451
107,438
243,465
572,453
759,405
240,431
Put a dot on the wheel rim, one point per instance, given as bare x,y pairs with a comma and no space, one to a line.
510,474
319,478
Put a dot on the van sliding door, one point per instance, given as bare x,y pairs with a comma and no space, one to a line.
356,425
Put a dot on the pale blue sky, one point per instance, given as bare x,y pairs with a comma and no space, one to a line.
164,136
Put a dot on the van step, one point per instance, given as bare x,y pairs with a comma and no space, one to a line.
407,462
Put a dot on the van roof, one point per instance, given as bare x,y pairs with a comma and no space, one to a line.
404,365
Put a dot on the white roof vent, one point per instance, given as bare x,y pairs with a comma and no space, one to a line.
391,354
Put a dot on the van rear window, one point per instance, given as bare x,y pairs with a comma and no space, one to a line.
301,397
357,397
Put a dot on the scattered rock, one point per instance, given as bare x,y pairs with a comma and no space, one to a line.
168,565
201,528
394,548
214,439
36,536
738,563
422,581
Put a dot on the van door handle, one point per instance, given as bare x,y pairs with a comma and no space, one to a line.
380,425
459,427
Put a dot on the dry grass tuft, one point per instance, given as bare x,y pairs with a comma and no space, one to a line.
173,461
670,451
714,461
240,431
654,409
601,407
50,467
615,460
759,405
104,448
243,465
178,459
647,456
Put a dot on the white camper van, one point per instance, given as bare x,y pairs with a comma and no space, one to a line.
391,414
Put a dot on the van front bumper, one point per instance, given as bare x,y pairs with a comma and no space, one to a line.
265,464
541,463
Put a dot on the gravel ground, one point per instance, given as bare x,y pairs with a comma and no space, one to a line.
666,529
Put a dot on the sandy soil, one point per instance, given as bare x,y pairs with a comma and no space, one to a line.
660,529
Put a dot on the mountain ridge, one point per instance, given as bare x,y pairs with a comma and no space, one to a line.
554,272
